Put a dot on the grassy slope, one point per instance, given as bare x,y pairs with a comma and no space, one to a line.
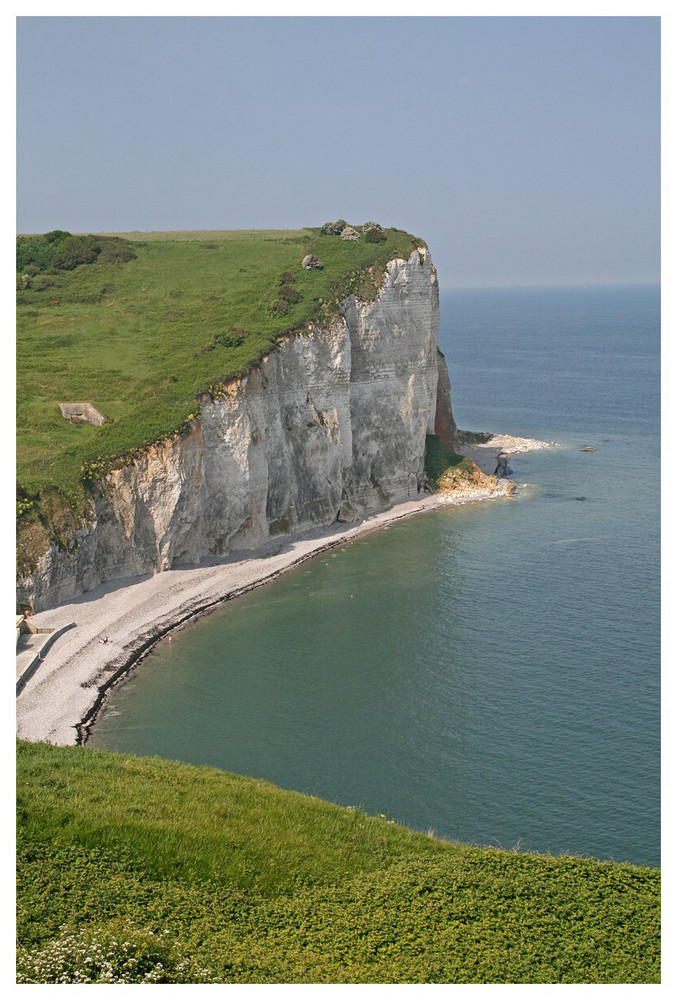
445,469
133,339
262,885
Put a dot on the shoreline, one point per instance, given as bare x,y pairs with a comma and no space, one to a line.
61,700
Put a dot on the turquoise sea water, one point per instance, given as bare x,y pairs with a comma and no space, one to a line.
489,672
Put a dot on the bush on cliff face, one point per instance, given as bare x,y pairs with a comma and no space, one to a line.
447,471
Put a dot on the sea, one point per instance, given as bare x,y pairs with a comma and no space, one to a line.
489,673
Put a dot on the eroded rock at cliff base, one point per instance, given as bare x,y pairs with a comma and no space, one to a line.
445,425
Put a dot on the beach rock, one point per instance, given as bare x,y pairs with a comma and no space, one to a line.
346,513
502,467
334,421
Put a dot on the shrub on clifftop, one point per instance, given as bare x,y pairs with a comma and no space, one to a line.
61,251
233,338
334,228
289,293
374,235
279,306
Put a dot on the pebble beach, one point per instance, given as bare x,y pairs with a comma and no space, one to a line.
116,623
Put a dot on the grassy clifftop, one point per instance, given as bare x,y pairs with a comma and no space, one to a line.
152,322
248,883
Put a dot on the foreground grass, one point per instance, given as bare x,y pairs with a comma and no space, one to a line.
259,885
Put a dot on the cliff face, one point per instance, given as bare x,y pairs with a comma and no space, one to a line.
328,427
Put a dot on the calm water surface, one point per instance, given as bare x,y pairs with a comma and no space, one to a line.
490,672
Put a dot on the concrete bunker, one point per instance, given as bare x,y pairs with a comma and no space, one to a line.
81,413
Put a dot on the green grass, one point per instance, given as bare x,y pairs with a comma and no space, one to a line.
140,341
260,885
440,459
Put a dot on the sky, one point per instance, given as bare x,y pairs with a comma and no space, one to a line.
524,150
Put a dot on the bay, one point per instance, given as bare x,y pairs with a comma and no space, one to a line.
488,672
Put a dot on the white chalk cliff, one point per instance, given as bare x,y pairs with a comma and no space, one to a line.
331,425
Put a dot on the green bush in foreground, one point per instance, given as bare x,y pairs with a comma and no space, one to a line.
252,884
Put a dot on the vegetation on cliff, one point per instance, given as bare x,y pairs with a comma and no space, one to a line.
446,471
142,325
219,878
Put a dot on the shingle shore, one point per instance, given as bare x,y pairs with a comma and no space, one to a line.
62,697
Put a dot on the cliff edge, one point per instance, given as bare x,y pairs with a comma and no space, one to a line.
329,426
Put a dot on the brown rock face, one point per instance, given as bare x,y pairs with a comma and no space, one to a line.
445,425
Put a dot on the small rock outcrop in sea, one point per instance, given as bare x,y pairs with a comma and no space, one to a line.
502,467
588,447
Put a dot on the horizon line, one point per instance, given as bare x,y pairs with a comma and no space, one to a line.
653,283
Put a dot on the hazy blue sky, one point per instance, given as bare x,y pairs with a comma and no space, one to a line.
523,150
